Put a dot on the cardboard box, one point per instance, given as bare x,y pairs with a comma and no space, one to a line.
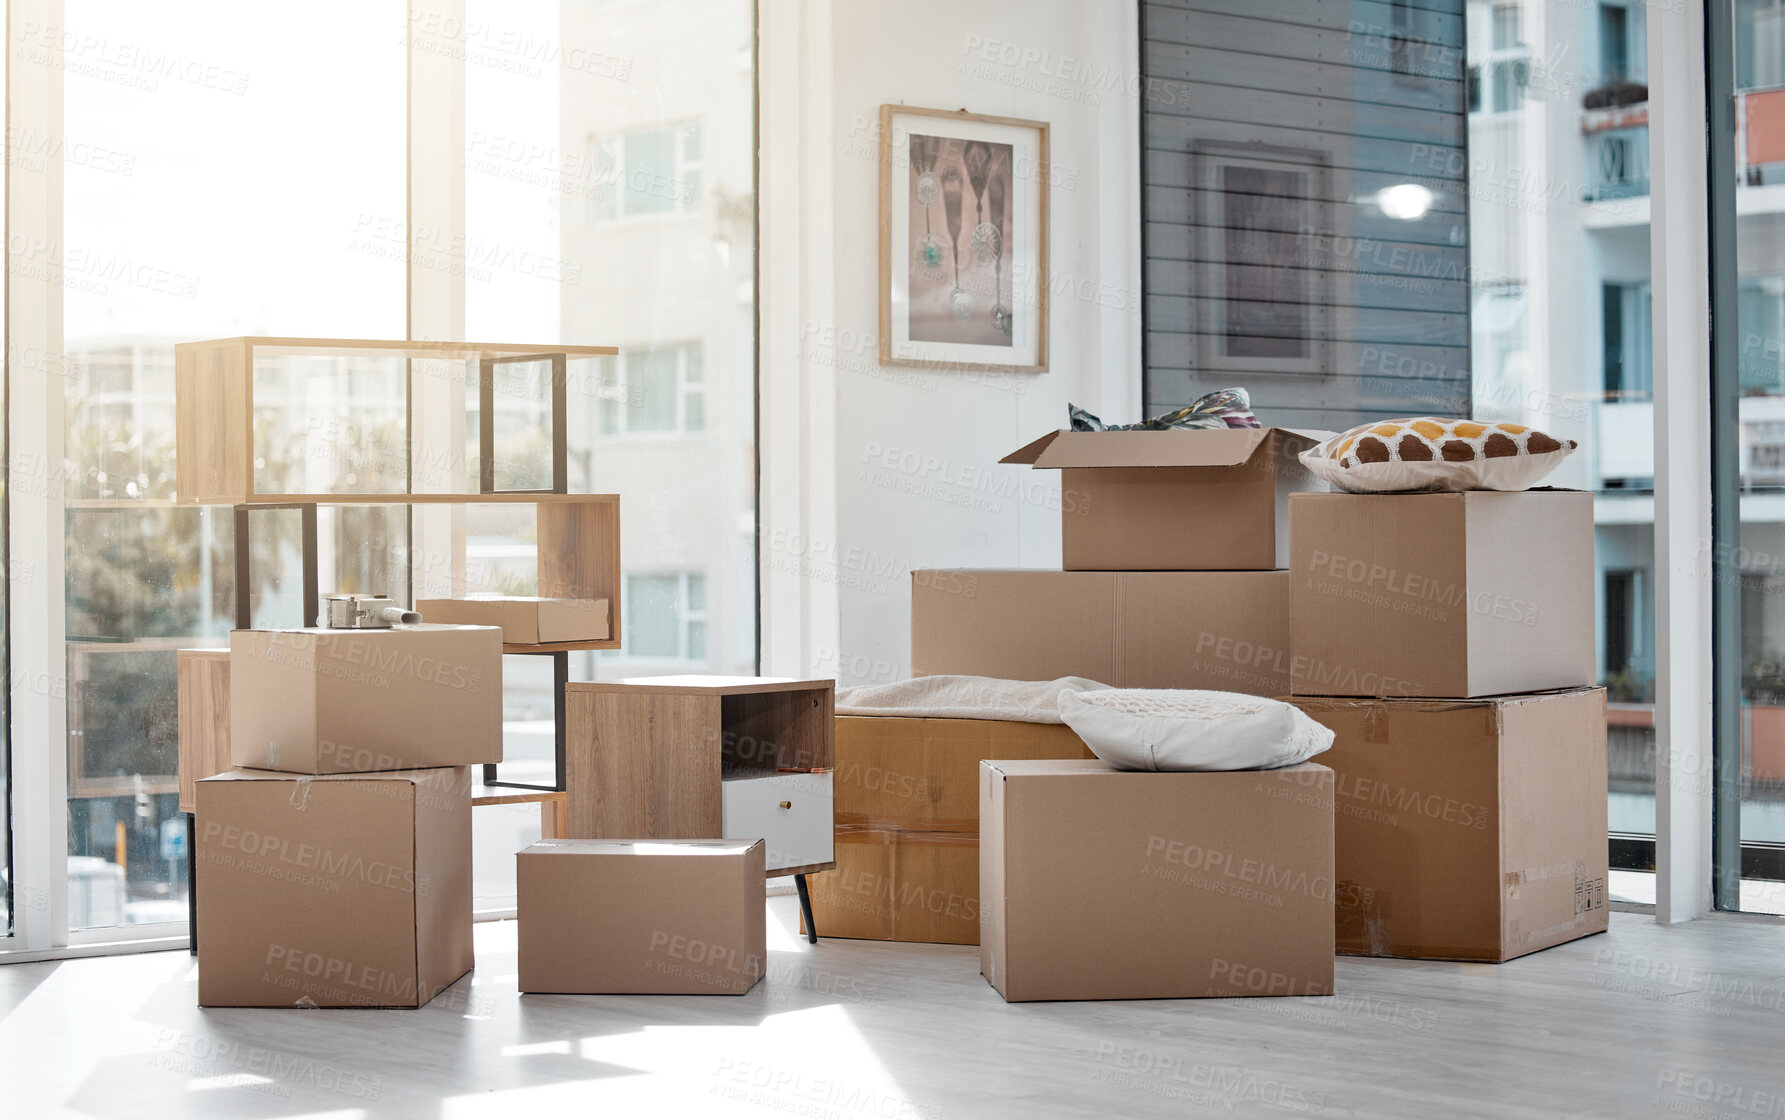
333,891
659,917
1441,595
907,820
1220,630
524,620
1468,830
318,701
1117,884
1184,500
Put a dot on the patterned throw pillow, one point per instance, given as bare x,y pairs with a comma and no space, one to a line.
1429,453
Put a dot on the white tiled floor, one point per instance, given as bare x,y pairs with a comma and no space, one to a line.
1645,1021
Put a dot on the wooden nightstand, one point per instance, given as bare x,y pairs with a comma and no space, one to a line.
696,758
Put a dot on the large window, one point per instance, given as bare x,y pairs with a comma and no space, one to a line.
202,222
1559,260
1750,808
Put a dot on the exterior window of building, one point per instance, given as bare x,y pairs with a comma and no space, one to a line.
1759,44
1498,81
650,172
1614,42
666,616
1580,163
1629,372
653,392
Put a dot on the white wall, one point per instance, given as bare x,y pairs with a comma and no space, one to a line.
916,482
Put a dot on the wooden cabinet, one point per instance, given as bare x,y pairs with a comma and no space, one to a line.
691,758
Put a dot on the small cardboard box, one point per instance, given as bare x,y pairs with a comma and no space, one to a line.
1117,884
656,917
524,620
1468,830
333,890
319,701
907,819
1219,630
1183,500
1441,595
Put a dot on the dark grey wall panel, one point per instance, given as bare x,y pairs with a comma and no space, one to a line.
1273,260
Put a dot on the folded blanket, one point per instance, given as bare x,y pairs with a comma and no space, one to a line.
952,697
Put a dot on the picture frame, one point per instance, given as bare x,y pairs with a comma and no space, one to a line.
1259,290
963,240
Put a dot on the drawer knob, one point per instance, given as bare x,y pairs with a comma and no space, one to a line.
786,804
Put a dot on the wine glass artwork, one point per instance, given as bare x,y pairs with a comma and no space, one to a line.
964,219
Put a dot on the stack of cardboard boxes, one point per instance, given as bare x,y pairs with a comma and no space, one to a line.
1447,639
334,865
1079,881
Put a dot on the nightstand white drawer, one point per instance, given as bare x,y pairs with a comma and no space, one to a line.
791,812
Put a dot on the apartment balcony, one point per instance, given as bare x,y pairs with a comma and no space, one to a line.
1617,139
1615,128
1625,443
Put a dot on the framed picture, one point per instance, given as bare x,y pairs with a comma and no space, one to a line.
963,240
1260,285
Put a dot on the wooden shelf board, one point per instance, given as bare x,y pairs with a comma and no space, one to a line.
560,647
803,869
413,348
403,499
515,797
694,685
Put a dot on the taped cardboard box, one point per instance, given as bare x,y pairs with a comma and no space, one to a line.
1441,595
657,917
1110,884
1469,830
524,620
333,890
1182,500
1218,630
319,701
907,821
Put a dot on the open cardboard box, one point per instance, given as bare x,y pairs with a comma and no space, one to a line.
1179,500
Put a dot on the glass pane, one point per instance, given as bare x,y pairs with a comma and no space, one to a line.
653,616
559,157
192,243
649,185
1760,552
1560,336
327,425
651,390
523,429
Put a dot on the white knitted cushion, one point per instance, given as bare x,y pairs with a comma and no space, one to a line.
1184,729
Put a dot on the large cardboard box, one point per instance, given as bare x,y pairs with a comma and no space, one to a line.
1219,630
1441,595
524,620
1179,500
334,890
1117,884
660,917
907,820
1468,830
319,701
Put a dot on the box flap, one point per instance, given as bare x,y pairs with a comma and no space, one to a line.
413,777
1030,452
1177,448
